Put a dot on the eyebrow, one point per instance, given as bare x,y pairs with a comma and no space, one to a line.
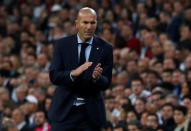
91,22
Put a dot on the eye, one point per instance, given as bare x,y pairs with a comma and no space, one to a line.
93,22
85,22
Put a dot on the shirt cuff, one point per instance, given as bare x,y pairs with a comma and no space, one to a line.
72,78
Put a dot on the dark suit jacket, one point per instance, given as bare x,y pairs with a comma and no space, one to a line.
26,128
64,60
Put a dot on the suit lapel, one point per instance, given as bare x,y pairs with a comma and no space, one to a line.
74,51
96,51
95,56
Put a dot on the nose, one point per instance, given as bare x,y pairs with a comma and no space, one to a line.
89,25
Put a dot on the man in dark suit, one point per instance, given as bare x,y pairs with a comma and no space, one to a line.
82,69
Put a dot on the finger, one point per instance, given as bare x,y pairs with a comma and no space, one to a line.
88,62
85,67
98,65
98,69
97,73
94,75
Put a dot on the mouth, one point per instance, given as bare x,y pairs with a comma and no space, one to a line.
88,33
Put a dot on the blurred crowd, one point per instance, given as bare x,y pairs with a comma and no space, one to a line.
151,83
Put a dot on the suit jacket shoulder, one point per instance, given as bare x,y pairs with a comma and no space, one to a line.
66,40
103,42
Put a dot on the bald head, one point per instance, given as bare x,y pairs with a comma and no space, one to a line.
86,23
86,11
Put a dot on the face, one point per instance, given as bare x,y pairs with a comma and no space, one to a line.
21,93
47,104
167,112
136,87
187,103
43,79
86,25
143,118
156,100
185,88
139,106
163,38
30,61
166,77
178,117
142,65
188,14
177,7
156,48
132,67
17,116
176,77
185,32
168,64
131,116
151,79
42,60
31,107
158,68
152,122
189,76
118,129
188,62
132,128
39,118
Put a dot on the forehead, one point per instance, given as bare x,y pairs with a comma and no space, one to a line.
167,107
87,17
39,114
132,127
136,82
178,112
152,117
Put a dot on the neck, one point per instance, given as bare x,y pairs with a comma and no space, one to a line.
180,124
84,40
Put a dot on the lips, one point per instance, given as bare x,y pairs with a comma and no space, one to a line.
88,32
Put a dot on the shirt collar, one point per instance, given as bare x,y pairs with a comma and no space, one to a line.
90,41
21,125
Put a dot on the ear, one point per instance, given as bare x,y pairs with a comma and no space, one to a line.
76,23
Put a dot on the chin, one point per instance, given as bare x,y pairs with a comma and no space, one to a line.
87,38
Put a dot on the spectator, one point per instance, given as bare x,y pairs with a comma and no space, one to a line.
138,90
187,101
19,118
182,123
131,115
21,93
4,80
134,126
42,62
119,127
152,121
31,108
40,122
167,111
140,106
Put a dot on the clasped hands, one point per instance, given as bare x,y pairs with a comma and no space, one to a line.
96,73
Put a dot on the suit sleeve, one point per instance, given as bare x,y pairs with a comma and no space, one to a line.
103,82
58,75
